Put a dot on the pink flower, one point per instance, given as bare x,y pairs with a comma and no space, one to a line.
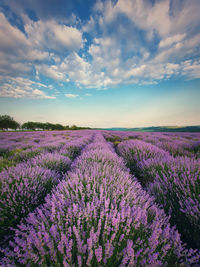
98,253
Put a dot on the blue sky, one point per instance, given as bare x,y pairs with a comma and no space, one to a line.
125,63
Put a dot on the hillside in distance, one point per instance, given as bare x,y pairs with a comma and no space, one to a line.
159,129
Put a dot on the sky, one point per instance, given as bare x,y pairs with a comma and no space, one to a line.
104,63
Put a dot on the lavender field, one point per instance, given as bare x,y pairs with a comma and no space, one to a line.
99,198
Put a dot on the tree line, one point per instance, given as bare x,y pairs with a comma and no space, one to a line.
7,122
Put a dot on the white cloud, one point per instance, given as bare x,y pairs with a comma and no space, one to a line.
108,69
121,57
50,86
52,72
12,69
16,50
139,42
37,76
12,39
71,95
23,88
179,50
154,16
105,52
38,93
137,71
36,54
191,69
142,66
89,26
15,44
142,13
172,40
52,35
81,72
19,50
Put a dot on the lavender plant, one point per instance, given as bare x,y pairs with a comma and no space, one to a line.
98,216
23,155
22,189
53,161
177,187
136,153
6,163
72,149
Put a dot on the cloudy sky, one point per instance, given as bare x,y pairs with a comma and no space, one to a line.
101,63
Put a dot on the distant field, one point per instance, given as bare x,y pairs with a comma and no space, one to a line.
99,198
160,129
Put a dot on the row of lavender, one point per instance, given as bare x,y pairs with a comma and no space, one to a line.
174,182
16,147
99,215
24,187
177,144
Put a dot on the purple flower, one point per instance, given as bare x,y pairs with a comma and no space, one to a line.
78,225
98,253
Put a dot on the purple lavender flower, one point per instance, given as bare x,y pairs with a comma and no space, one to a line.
98,253
78,225
176,187
53,161
22,188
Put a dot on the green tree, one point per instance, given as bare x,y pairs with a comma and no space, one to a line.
66,127
59,127
29,125
48,126
74,127
8,122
